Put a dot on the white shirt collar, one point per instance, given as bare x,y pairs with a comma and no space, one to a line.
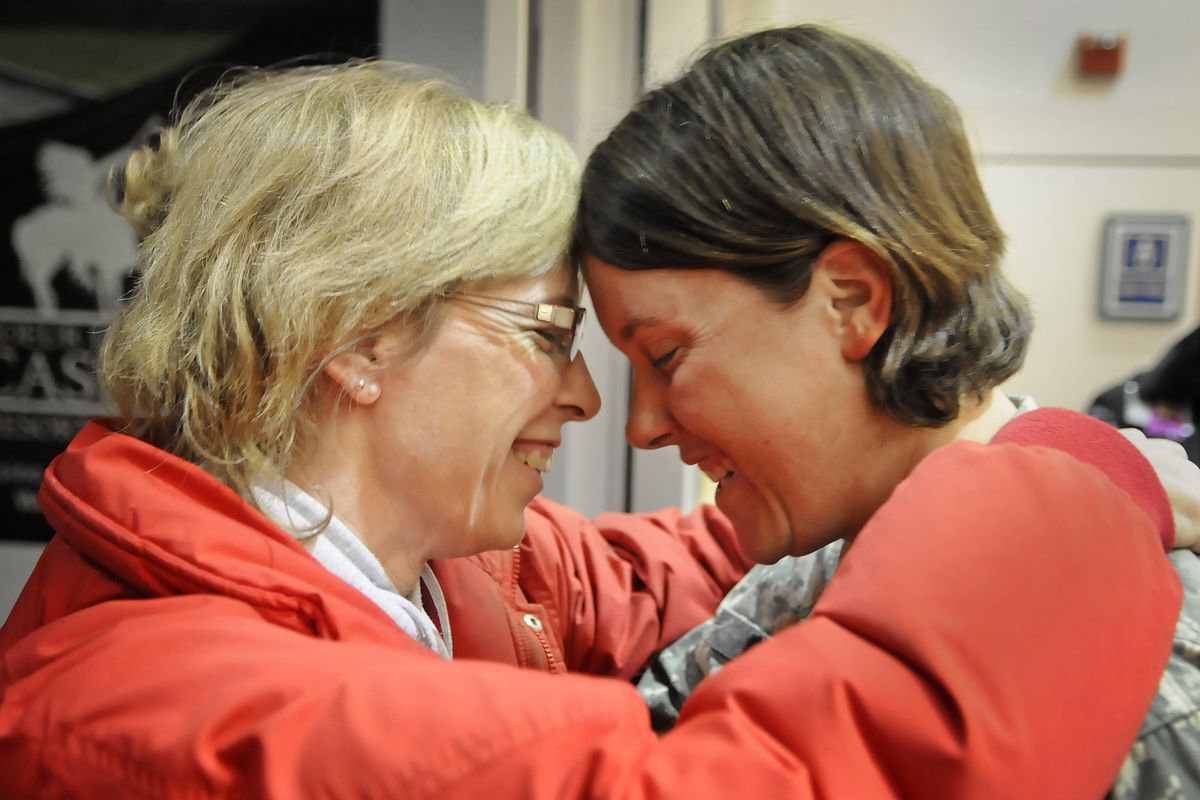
332,543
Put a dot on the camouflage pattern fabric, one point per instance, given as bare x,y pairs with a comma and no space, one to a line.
1165,761
770,597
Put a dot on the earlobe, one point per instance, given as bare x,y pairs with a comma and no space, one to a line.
365,391
859,283
351,372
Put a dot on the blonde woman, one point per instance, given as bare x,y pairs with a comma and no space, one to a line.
307,558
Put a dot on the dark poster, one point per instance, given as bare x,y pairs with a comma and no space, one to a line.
80,82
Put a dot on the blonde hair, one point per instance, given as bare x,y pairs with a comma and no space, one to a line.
288,213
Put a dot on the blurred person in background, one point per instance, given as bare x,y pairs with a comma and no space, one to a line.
1164,401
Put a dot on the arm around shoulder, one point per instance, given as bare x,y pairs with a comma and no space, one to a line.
998,629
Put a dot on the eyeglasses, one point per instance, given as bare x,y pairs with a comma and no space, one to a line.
565,322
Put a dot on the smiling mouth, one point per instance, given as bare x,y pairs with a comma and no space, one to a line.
718,473
535,459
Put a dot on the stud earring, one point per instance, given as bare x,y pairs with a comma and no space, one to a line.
366,391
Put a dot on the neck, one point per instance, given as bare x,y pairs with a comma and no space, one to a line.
330,471
978,421
983,420
373,519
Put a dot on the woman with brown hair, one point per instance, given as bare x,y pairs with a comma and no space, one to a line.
792,246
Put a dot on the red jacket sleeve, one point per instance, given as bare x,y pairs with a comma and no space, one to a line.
990,633
1092,442
622,586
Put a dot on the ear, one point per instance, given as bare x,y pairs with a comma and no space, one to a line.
859,284
353,371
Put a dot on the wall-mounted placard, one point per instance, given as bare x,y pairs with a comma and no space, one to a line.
1143,266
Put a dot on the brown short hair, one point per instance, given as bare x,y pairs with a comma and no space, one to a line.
773,145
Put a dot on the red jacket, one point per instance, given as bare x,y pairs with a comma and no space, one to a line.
590,596
172,643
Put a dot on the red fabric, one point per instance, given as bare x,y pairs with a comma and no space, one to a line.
997,630
610,592
1086,439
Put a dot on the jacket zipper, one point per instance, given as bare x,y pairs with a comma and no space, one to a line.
516,584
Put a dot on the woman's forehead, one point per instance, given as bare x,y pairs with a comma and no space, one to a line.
561,284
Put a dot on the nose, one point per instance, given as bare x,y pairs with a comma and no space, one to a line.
649,425
577,394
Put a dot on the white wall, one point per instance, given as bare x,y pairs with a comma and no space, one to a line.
447,35
1053,215
1058,154
587,79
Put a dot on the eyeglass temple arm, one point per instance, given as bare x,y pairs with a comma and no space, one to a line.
558,316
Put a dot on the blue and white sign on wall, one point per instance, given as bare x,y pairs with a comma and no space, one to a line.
1144,266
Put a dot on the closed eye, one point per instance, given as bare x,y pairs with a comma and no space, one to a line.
554,339
662,361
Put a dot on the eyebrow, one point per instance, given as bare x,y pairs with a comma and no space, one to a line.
563,300
631,327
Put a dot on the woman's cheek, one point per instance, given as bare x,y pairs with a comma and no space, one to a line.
685,399
525,344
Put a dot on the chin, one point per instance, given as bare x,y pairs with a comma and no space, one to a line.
760,539
761,546
510,531
766,544
492,532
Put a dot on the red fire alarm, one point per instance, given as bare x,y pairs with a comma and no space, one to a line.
1100,56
